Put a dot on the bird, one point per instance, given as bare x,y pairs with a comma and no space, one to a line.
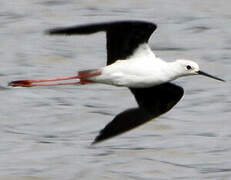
130,63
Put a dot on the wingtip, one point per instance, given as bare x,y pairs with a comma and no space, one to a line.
100,138
57,31
97,140
47,32
51,32
94,143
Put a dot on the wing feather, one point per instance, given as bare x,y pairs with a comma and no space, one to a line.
123,37
152,102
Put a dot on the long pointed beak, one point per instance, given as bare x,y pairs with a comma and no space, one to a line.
208,75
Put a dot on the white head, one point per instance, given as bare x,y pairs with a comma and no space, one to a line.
188,67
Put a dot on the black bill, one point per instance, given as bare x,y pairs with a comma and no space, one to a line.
208,75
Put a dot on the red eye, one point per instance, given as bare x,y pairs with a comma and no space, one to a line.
188,67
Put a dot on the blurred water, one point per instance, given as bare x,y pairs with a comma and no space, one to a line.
45,133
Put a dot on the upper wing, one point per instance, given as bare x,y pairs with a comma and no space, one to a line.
152,102
123,37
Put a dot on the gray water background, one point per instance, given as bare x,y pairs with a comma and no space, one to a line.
45,132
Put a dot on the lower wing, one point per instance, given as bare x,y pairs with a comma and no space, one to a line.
152,103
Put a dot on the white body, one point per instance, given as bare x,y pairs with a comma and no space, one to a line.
141,70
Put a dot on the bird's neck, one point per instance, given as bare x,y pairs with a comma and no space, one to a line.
174,70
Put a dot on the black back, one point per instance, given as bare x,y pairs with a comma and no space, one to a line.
123,38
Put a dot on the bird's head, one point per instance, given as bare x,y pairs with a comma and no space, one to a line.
188,67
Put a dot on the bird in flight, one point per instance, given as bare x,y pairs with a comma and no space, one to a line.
130,63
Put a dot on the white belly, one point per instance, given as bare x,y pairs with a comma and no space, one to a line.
136,74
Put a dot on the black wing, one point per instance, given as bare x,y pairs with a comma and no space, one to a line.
123,37
152,103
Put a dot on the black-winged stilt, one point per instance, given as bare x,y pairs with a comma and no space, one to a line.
130,63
